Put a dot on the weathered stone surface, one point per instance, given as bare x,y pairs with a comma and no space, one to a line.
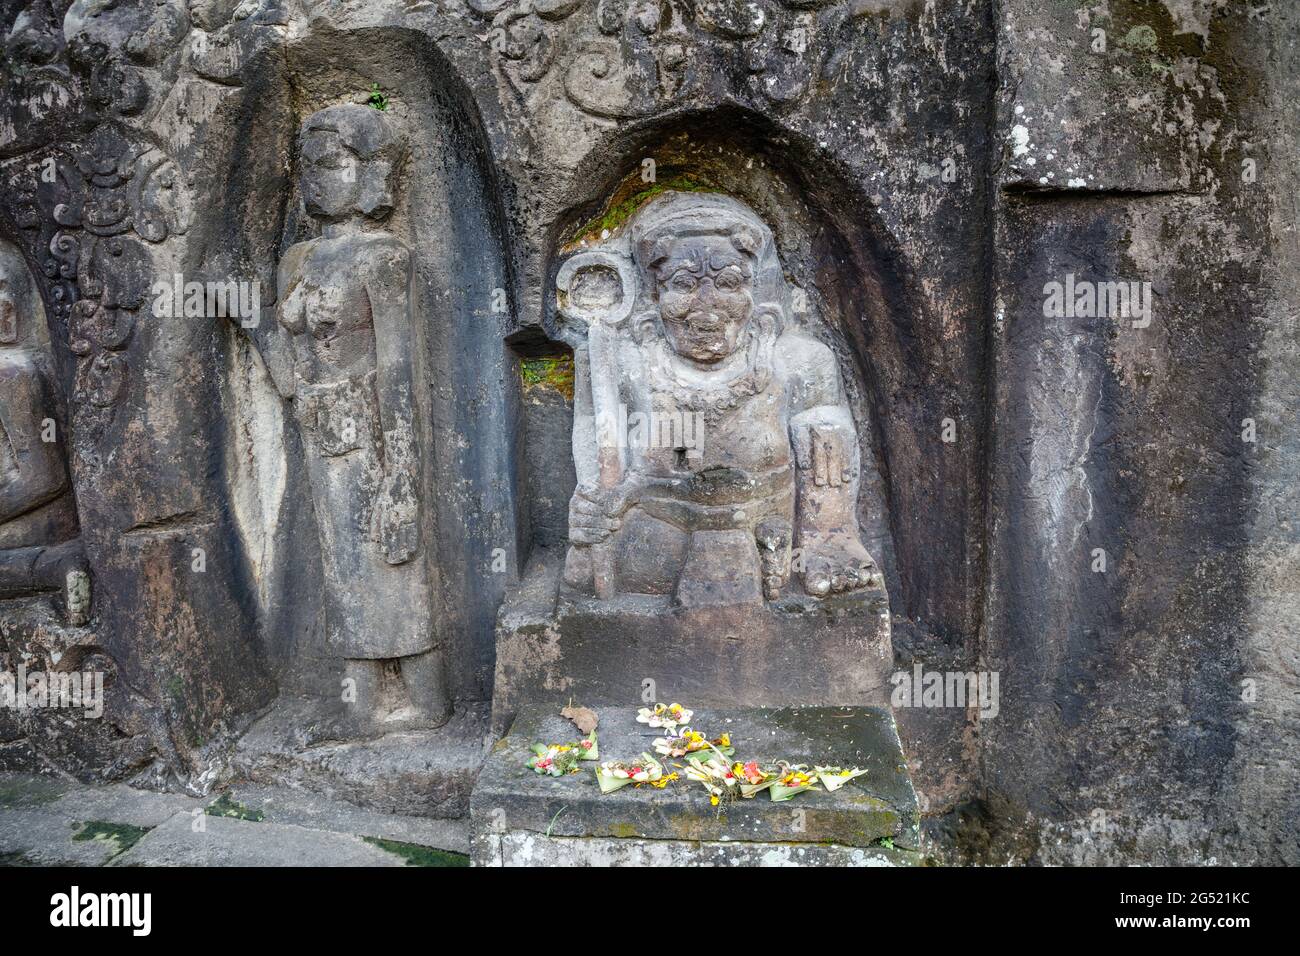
426,773
794,651
510,798
926,169
316,812
534,849
225,841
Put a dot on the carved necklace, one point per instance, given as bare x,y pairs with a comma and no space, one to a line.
714,400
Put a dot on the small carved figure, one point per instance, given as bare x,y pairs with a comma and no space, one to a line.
39,545
715,449
346,300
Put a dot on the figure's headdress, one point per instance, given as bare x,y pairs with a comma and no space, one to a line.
672,216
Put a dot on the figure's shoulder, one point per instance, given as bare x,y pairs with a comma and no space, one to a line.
808,366
295,255
380,247
799,355
798,347
380,255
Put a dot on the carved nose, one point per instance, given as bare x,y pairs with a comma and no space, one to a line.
705,321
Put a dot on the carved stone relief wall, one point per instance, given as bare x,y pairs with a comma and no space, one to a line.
889,183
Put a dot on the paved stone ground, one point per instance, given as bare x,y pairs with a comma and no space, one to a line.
48,821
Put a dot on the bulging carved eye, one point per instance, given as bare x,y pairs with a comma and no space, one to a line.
729,279
682,282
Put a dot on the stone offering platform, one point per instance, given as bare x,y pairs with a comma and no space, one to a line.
792,651
520,818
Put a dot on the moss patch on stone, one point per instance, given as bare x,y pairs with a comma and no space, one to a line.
548,371
416,855
123,836
227,806
24,791
626,202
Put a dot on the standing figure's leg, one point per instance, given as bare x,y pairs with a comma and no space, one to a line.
426,687
363,699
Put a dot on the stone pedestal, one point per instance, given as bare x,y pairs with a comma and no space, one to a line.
423,773
521,818
793,651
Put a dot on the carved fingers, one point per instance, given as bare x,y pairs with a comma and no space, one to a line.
594,515
824,451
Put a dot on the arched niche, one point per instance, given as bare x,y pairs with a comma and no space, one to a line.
863,301
448,213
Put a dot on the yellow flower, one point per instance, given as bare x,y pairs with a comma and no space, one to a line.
713,799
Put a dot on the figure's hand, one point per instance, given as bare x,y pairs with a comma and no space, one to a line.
837,563
395,523
824,452
596,513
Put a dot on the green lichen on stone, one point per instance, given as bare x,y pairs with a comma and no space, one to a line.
1141,37
416,855
548,371
226,806
123,836
620,211
24,791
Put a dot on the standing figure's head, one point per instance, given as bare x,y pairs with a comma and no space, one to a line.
706,259
351,158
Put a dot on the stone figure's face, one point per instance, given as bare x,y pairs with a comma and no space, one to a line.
705,297
329,175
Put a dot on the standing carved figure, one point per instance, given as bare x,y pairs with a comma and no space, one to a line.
39,545
715,449
346,298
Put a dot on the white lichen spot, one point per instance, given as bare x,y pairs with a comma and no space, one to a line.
1019,140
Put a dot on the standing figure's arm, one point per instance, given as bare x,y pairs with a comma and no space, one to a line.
397,508
41,476
825,444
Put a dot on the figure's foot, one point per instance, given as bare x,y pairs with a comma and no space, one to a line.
838,564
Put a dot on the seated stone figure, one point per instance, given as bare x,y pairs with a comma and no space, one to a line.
40,549
716,453
345,299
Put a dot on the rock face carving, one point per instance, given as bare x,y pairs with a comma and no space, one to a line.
346,300
716,453
39,545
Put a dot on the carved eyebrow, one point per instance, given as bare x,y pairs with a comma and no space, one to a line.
721,261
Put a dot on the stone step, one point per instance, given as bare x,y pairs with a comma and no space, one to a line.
186,840
518,815
50,821
316,812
